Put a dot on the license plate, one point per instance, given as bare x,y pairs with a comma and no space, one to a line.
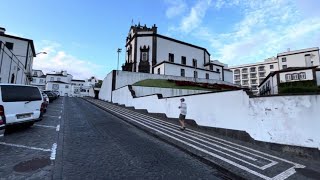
22,116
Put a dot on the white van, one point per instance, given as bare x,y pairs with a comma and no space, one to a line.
20,104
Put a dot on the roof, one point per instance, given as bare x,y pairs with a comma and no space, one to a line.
57,82
42,76
78,80
56,75
289,69
23,39
298,51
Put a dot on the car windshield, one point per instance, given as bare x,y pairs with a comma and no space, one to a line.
20,93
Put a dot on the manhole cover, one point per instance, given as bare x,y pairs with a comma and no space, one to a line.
32,164
309,173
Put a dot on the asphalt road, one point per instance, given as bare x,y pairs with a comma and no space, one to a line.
94,144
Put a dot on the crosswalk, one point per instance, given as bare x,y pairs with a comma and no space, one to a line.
249,162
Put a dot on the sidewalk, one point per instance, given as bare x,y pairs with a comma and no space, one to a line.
240,159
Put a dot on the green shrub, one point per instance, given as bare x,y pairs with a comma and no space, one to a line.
309,83
293,90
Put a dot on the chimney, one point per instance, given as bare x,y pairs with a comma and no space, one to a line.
2,30
288,50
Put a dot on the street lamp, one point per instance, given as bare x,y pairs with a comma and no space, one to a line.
41,53
118,51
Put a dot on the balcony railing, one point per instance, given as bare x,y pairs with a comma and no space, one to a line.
244,72
253,77
236,72
262,69
244,77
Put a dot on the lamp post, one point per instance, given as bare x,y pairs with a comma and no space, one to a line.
41,53
118,51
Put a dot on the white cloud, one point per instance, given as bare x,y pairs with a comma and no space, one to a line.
193,18
265,29
57,60
176,8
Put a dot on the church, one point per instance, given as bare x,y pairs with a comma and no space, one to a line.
149,52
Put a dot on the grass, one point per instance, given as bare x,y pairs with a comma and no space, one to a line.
162,83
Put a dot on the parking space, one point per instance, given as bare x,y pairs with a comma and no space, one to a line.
29,152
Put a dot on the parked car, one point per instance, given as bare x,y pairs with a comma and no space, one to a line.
20,104
52,96
57,93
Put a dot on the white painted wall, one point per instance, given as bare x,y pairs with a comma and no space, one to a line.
64,89
144,41
175,70
309,75
164,47
290,120
298,60
106,88
55,78
166,92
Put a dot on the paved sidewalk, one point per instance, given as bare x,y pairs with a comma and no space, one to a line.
243,161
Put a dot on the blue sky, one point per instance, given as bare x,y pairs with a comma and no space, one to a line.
82,36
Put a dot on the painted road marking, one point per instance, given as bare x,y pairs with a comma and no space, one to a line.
53,151
23,146
283,175
51,116
184,136
58,128
40,125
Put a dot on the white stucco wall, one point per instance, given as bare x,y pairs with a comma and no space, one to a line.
298,60
166,92
106,88
290,120
144,41
55,78
309,75
164,47
64,89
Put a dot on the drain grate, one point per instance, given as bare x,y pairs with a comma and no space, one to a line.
32,165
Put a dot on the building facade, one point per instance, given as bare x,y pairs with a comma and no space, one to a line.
16,59
251,75
270,85
38,79
149,52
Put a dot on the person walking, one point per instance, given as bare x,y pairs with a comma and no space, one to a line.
183,113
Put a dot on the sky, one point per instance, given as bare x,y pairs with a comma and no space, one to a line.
82,37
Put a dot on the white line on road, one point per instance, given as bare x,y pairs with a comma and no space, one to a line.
59,117
58,128
23,146
40,125
51,116
53,151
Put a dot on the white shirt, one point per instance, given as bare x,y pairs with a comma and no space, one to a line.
183,108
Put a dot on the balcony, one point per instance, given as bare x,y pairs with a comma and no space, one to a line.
244,77
236,71
262,75
253,77
262,69
244,72
253,82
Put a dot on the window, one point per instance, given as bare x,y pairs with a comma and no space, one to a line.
34,80
218,70
261,68
295,76
52,79
41,80
194,63
158,70
207,75
9,45
253,69
271,66
182,72
253,81
195,74
284,66
211,68
35,74
59,79
171,57
284,59
67,86
20,93
244,70
55,86
183,60
144,56
302,75
288,77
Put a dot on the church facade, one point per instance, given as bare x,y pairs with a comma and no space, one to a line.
149,52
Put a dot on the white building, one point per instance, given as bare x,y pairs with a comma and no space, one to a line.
38,79
16,58
149,52
251,75
270,85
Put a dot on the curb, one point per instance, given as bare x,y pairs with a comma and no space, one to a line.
225,173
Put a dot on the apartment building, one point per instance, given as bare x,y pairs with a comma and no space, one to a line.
38,79
252,75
